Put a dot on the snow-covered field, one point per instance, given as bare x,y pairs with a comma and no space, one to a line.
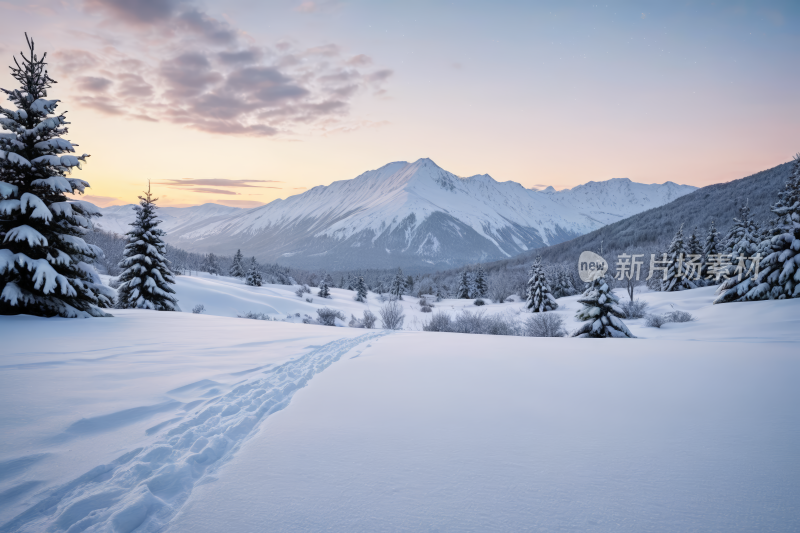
179,422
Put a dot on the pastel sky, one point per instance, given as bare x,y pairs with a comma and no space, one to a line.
244,101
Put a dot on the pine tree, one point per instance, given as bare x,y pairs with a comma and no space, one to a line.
253,276
481,287
361,290
237,269
779,275
462,292
398,287
146,277
211,264
710,248
45,265
676,254
324,287
742,241
601,313
539,297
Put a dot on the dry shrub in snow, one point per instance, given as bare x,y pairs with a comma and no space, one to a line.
199,308
634,309
369,319
440,321
544,325
655,321
479,301
328,316
426,309
255,316
392,315
679,316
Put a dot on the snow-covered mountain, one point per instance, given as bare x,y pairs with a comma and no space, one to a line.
117,219
411,215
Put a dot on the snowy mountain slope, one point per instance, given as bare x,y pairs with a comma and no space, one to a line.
117,219
416,214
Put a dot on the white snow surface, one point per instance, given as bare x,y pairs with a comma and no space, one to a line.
159,421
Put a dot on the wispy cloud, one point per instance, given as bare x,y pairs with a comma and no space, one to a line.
212,77
219,182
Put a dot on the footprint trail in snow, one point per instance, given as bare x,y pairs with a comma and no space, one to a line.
146,487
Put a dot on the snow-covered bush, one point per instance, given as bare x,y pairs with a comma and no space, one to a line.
355,322
440,321
45,264
539,298
655,321
479,302
369,319
679,316
423,302
392,315
255,316
310,300
426,309
198,309
634,309
328,316
544,325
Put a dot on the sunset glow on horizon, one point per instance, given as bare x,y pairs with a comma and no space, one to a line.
243,102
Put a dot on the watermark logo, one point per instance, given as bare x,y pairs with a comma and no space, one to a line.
591,266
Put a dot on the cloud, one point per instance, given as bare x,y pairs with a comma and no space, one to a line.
212,77
219,182
206,190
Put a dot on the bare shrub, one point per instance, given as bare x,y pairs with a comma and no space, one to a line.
255,316
369,319
355,322
634,309
392,315
679,316
198,309
499,325
440,321
303,289
544,325
426,309
467,322
310,300
655,321
328,316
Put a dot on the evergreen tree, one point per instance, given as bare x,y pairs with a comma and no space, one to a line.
398,287
211,264
710,248
253,276
693,245
676,255
779,275
237,268
324,287
462,292
601,313
742,242
742,238
361,290
481,286
45,265
539,297
146,277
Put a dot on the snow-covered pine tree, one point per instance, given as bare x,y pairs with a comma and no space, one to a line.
462,292
742,241
539,298
324,287
146,277
45,265
676,280
237,267
361,290
253,276
211,264
398,287
779,275
481,286
601,313
710,248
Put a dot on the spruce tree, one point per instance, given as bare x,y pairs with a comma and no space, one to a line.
779,276
324,287
237,268
710,248
398,287
481,286
361,290
211,264
462,292
146,277
676,254
742,242
601,313
45,265
539,298
253,276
